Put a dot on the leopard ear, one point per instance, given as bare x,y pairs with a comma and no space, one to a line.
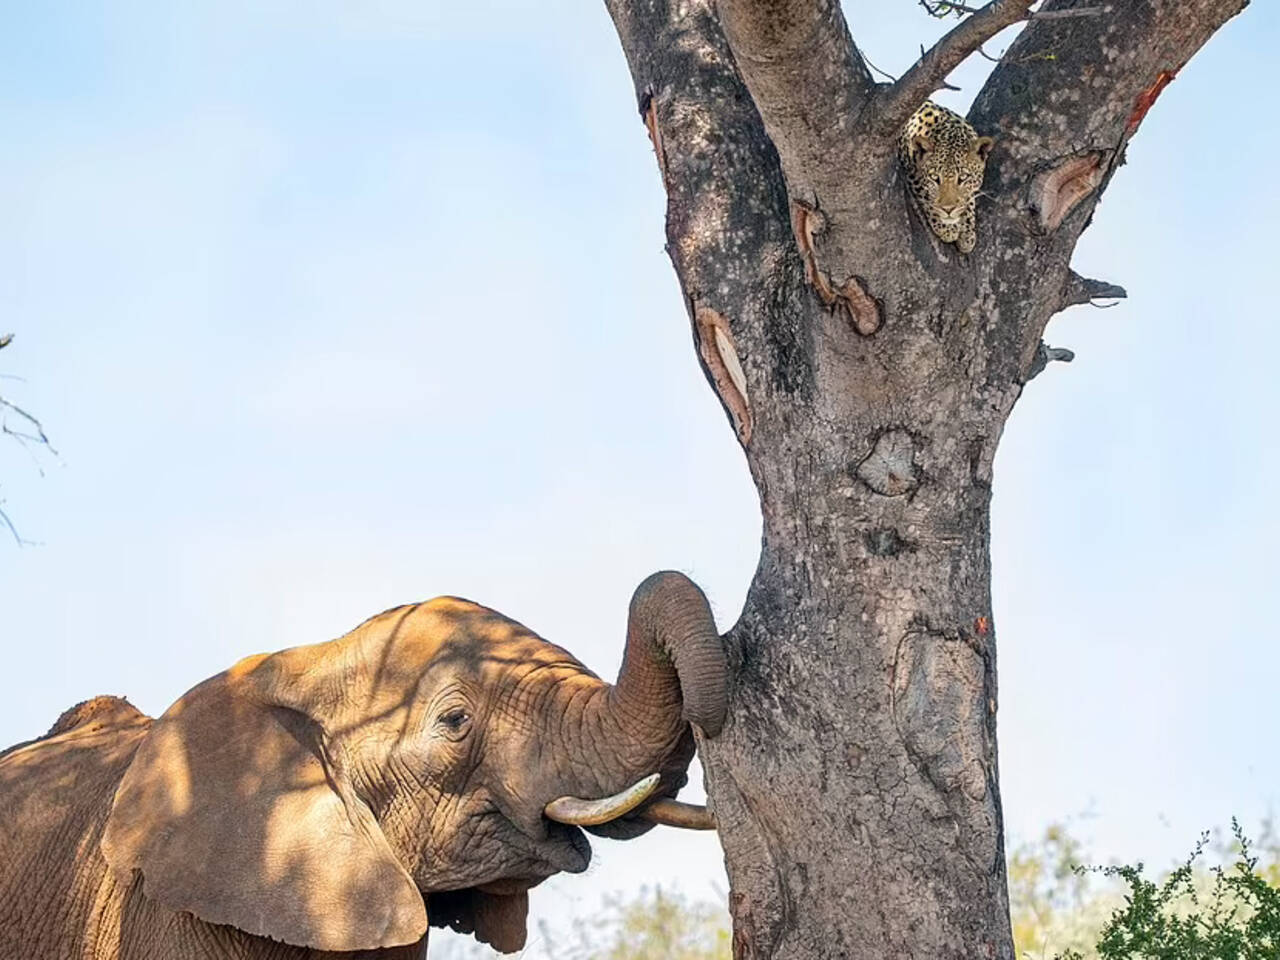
983,146
920,145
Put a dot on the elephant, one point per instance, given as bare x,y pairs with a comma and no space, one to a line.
335,800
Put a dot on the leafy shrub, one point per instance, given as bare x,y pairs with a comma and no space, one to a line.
1236,918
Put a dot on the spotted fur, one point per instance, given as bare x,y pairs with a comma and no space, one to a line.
944,160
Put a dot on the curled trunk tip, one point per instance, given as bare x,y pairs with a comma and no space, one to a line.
671,620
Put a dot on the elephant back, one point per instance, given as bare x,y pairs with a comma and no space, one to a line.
55,794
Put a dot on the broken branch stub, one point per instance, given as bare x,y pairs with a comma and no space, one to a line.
1046,355
1077,289
1055,193
716,347
650,111
863,311
851,296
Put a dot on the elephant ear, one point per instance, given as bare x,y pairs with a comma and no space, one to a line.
232,811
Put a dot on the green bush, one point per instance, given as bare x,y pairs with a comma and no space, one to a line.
1236,918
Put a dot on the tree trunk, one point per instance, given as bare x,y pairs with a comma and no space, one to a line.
868,371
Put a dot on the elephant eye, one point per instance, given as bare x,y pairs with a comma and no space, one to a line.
454,722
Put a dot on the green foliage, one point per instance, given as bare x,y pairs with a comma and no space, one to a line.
1229,911
1237,918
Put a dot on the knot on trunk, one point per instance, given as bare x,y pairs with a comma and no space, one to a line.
890,468
940,707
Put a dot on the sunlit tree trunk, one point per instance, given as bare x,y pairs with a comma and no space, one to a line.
868,372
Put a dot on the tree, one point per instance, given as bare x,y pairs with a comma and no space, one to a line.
868,373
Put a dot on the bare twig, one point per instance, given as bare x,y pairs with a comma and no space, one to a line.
883,73
941,8
39,437
1048,54
929,73
30,433
902,99
4,519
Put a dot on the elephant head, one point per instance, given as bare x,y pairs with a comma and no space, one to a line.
344,795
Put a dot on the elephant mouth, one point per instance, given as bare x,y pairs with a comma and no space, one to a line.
555,848
556,843
567,849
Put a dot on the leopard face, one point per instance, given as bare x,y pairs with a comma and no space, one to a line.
944,160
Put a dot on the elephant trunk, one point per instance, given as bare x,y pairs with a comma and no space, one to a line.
674,667
674,674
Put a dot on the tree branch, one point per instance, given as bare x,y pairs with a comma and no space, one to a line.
1062,104
1046,355
901,100
1037,103
728,219
806,77
1080,289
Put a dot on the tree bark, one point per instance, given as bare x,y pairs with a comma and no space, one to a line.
868,372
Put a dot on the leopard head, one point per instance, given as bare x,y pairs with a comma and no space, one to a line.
948,160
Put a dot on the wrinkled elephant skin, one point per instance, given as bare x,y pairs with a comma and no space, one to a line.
335,800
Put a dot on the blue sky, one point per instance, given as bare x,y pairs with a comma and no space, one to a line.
330,313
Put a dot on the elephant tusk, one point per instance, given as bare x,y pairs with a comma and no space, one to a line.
588,813
673,813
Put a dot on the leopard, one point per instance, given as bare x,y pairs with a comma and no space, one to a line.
945,160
